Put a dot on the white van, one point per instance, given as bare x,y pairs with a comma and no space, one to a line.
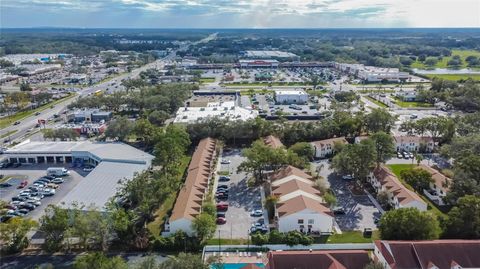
57,171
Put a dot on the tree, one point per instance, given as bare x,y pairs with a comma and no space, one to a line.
25,87
357,160
54,223
98,260
6,63
158,117
330,199
419,179
431,61
379,120
259,239
184,261
293,238
270,203
408,224
384,146
119,128
303,149
13,233
383,200
204,226
209,208
374,265
463,220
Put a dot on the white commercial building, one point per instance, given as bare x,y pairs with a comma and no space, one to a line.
291,97
326,148
414,143
265,63
372,73
265,54
113,163
222,110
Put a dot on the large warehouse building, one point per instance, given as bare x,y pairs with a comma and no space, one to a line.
113,162
291,97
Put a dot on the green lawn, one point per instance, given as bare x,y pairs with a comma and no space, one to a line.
411,104
207,80
443,63
396,169
227,241
454,77
223,173
6,121
252,92
348,237
378,103
317,92
155,227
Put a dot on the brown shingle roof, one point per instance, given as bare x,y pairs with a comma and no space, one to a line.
331,141
190,198
441,181
422,254
394,186
288,171
292,186
273,141
300,203
318,259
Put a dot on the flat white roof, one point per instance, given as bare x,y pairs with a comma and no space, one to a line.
269,53
103,150
101,184
226,110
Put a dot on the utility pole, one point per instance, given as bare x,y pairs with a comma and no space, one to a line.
219,243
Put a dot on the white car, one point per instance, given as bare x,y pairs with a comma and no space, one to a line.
225,162
49,192
88,169
257,213
34,202
58,180
39,185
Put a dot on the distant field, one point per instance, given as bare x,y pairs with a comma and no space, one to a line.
443,63
455,77
266,84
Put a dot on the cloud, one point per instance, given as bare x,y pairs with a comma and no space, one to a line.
241,13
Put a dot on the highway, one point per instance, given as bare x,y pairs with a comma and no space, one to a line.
28,124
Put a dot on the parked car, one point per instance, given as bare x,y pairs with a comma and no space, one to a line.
16,165
5,218
28,206
58,180
48,192
5,185
221,214
221,190
52,186
37,194
410,154
221,220
222,206
347,177
20,212
39,185
37,113
405,155
339,211
221,195
224,178
34,202
16,123
225,161
222,186
23,184
88,169
257,213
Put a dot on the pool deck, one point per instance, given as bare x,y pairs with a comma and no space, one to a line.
239,257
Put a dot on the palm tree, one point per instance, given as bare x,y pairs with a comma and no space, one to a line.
419,158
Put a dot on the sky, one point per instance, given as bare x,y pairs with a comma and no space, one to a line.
240,13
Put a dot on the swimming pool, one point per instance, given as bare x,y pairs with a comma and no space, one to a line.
238,265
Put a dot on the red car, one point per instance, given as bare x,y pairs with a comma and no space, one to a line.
222,206
23,184
221,220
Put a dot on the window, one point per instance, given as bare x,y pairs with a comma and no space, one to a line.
311,221
300,221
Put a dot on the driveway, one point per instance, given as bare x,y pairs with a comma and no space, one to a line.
242,200
360,211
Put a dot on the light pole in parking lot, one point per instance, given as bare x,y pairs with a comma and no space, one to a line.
219,243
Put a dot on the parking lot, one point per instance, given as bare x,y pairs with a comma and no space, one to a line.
32,173
360,212
242,200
